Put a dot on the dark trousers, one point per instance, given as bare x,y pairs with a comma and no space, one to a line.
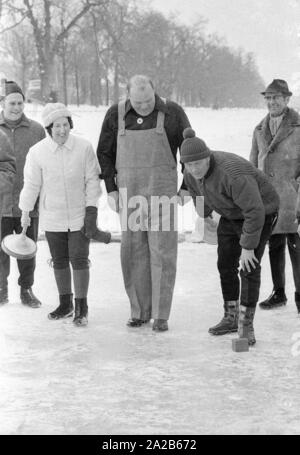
229,252
10,225
69,247
277,247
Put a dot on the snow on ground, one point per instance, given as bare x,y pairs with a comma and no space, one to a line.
109,379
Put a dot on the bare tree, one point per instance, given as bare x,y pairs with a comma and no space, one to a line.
116,23
48,32
19,44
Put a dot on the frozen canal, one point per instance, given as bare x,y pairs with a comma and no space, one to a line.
108,379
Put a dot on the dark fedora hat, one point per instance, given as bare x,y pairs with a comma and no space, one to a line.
278,85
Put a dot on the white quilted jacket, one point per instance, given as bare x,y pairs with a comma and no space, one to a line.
67,180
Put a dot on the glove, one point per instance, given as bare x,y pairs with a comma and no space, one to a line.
25,220
113,201
90,222
210,223
102,236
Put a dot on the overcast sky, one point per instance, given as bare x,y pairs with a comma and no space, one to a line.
268,28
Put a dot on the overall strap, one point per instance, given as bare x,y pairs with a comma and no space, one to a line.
121,117
160,120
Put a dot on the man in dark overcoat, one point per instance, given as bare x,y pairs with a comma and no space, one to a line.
276,151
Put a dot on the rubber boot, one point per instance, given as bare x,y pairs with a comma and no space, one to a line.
297,301
65,308
245,324
81,312
28,298
228,324
276,299
160,325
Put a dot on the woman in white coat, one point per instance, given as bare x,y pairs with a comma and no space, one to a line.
62,170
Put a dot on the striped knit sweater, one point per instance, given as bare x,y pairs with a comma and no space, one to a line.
236,190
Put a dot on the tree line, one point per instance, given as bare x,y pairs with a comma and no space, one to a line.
86,50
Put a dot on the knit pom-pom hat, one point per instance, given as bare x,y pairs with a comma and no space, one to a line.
193,148
13,87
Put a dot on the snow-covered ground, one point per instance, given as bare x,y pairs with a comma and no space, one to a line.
108,379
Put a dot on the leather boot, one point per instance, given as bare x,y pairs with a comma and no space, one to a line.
228,323
28,298
160,325
81,312
297,301
276,299
3,295
245,324
65,308
134,322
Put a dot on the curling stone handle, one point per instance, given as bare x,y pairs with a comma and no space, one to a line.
24,231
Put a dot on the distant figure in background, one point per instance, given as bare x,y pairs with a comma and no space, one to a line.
63,170
247,203
137,152
52,97
22,133
276,151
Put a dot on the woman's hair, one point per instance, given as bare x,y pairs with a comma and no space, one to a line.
49,128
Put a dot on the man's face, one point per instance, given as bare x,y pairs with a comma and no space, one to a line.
198,168
142,99
276,103
61,130
13,106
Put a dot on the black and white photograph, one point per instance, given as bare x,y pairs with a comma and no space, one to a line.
149,220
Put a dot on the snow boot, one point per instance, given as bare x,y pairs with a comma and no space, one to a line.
276,299
81,312
65,308
297,301
228,324
28,298
160,325
3,295
245,324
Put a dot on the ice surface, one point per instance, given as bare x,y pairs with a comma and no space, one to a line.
108,379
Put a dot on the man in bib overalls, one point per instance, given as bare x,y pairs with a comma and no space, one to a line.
137,153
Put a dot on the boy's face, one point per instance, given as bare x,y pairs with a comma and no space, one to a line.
198,168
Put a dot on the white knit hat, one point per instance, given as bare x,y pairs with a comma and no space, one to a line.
53,111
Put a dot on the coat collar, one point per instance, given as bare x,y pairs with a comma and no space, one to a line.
290,121
53,146
211,166
24,121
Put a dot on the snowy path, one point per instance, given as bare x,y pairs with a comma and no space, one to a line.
109,379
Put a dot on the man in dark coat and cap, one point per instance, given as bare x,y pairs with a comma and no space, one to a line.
248,204
22,133
276,151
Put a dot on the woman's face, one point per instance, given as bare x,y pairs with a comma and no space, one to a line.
61,130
